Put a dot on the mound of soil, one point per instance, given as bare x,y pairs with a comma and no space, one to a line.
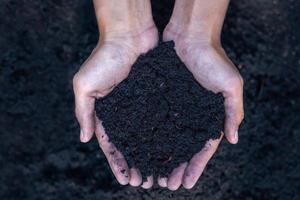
43,44
160,116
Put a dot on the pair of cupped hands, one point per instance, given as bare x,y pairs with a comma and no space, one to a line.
110,63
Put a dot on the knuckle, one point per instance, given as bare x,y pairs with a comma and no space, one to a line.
81,84
235,85
78,82
76,79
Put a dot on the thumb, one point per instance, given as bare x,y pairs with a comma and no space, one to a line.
85,114
234,114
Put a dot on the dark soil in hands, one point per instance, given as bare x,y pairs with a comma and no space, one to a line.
42,45
160,116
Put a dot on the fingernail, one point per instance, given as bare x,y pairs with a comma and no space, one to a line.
236,136
82,136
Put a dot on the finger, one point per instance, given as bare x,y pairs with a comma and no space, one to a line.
199,161
175,178
162,181
84,109
115,159
135,177
234,114
148,184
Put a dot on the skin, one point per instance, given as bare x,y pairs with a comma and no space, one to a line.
195,27
126,31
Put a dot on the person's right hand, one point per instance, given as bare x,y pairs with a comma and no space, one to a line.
108,65
214,71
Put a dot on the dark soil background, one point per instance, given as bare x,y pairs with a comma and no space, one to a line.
42,44
160,117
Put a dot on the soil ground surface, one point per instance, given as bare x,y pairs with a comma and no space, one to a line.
160,116
42,45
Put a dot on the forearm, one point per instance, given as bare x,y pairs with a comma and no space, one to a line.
117,17
200,18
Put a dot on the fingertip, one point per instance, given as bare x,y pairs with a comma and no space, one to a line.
84,110
84,137
199,162
173,187
135,177
187,186
231,132
148,184
117,163
162,182
123,176
233,137
123,181
231,141
175,178
188,181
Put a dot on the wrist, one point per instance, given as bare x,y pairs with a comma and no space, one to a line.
119,18
125,31
191,32
198,19
138,41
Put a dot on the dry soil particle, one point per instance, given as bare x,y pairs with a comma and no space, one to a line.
160,116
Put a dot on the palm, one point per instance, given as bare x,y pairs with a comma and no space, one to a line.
210,66
213,70
106,67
